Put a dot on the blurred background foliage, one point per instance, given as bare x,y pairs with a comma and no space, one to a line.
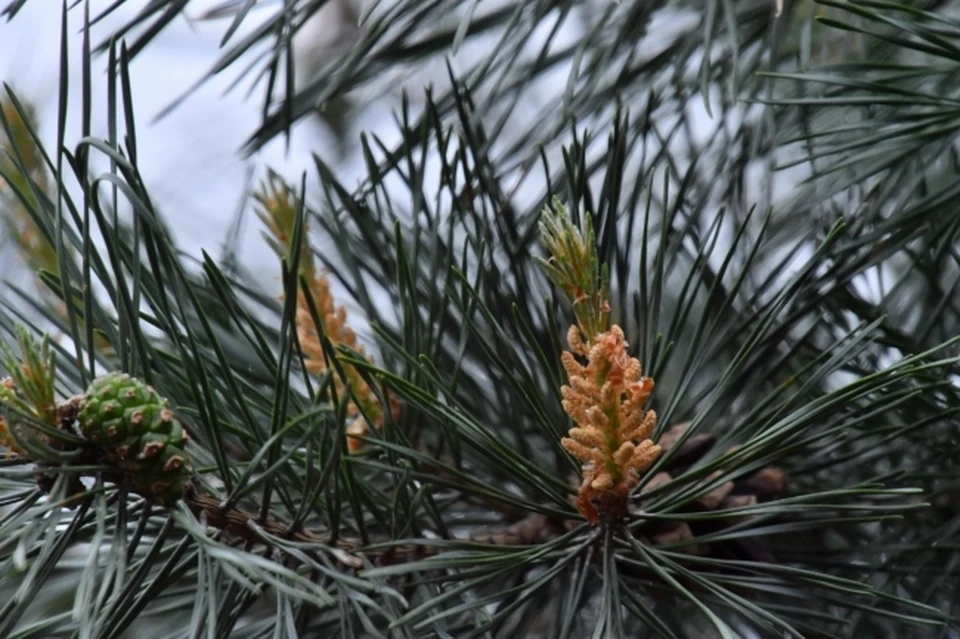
772,192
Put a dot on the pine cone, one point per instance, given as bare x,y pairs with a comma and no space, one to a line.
134,425
745,491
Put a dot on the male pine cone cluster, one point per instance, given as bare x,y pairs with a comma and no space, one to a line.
606,399
139,434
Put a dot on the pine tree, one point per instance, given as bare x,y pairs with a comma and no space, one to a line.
664,341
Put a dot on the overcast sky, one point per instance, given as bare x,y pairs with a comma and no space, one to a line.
190,157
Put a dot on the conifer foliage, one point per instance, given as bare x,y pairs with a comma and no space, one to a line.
666,349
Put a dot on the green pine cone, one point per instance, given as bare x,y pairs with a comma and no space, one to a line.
119,409
129,418
162,476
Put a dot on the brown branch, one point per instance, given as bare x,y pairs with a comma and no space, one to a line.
525,529
533,529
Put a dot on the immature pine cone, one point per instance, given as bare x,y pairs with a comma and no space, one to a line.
130,420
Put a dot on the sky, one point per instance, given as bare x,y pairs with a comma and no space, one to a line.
189,158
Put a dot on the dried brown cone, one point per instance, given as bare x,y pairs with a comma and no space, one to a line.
748,490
